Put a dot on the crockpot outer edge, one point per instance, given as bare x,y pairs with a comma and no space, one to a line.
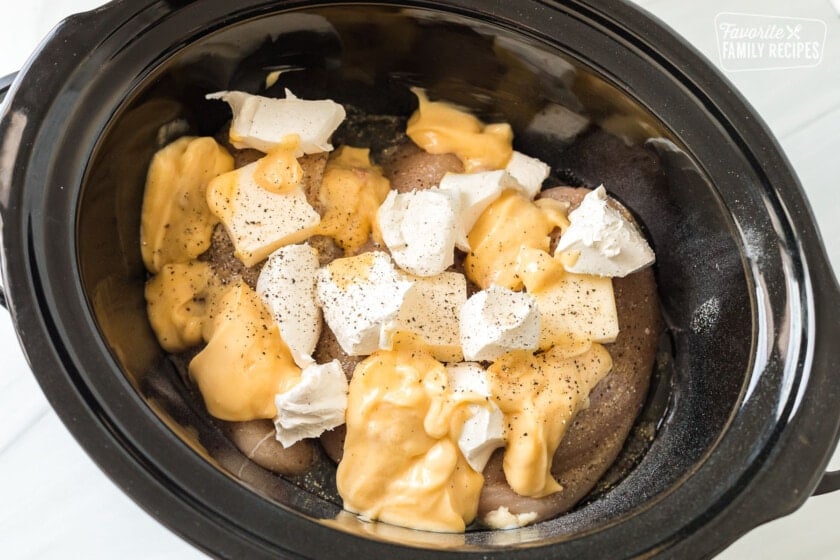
811,426
781,485
79,409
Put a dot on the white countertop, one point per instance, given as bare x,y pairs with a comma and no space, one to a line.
55,503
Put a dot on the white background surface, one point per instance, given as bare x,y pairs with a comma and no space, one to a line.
55,503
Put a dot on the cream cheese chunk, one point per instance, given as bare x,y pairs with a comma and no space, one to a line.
287,286
358,296
317,403
262,122
497,320
483,432
528,171
430,311
467,378
259,221
601,242
475,192
420,229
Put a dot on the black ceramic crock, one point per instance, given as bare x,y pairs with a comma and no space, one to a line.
747,389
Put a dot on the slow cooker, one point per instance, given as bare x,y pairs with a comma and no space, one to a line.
744,410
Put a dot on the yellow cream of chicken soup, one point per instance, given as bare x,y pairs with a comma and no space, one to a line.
401,459
176,223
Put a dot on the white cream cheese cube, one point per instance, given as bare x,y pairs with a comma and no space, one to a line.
431,311
262,122
287,286
259,221
359,295
420,229
475,192
601,242
497,320
483,432
317,403
467,378
529,172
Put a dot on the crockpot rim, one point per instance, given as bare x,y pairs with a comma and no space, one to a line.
38,351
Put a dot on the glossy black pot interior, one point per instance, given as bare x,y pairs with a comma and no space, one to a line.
744,412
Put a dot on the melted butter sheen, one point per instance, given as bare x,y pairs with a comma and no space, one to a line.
351,191
176,224
509,225
176,304
245,363
279,171
442,128
540,396
401,459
